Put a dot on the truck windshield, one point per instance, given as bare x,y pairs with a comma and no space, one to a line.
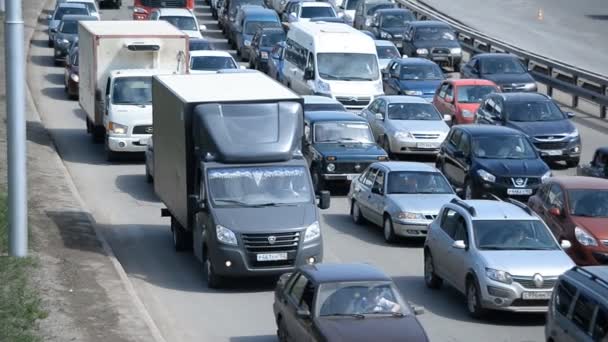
341,131
181,22
259,186
348,66
132,90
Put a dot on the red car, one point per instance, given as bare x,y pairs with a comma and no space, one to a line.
460,98
576,209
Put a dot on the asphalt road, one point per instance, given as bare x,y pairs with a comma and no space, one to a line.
580,26
171,285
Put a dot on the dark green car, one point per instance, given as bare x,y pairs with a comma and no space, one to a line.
338,146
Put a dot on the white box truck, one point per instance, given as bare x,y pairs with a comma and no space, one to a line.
117,62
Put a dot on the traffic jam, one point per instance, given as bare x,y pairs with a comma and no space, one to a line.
244,150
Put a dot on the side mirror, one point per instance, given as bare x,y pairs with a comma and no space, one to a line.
303,313
379,116
309,74
566,244
242,67
376,190
284,278
202,28
404,56
570,115
292,17
447,118
324,199
555,212
459,154
459,244
449,99
198,203
475,71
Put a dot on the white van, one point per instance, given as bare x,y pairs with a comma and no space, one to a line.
332,59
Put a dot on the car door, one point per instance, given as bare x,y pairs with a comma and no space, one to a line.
559,323
365,195
457,259
448,101
298,328
393,86
439,100
308,149
376,198
408,41
443,241
377,123
536,202
448,166
462,162
583,312
370,115
555,199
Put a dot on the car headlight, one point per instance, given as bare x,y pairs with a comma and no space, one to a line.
385,35
368,21
412,92
264,55
583,237
422,51
467,113
456,51
331,167
247,42
74,77
322,87
403,135
546,176
406,215
312,232
530,86
225,235
63,41
500,276
140,10
117,128
486,176
574,134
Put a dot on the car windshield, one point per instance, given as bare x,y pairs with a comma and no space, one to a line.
359,298
212,63
352,4
396,20
69,27
387,51
512,235
417,182
90,6
413,111
259,186
503,147
373,8
348,66
434,33
271,38
315,12
252,26
342,131
502,66
533,111
61,11
199,44
132,90
181,22
318,107
588,202
473,94
421,72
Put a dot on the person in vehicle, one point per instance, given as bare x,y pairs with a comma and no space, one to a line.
379,299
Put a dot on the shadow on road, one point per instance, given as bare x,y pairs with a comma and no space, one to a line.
45,61
40,42
56,93
56,79
263,338
136,186
76,230
37,133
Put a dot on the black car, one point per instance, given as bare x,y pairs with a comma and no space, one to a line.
434,40
598,167
537,116
480,160
338,146
578,309
506,70
343,302
389,24
262,43
195,44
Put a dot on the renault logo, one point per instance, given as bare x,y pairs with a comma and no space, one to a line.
272,239
538,280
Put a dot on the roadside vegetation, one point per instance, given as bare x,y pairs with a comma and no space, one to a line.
19,302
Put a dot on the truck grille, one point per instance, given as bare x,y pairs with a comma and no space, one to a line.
263,243
528,282
144,129
353,101
164,3
425,135
350,167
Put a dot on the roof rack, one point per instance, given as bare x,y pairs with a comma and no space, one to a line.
465,205
521,205
591,276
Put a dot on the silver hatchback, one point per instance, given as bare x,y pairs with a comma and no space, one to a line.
499,254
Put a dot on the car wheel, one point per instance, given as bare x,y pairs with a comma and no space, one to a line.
389,232
474,299
386,145
355,213
573,162
431,279
282,331
213,280
181,241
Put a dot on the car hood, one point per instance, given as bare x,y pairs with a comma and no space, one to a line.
397,32
421,203
543,127
426,86
371,329
354,88
426,126
598,226
471,107
502,79
514,167
436,44
258,220
517,263
350,151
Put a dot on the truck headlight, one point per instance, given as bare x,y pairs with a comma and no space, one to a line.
412,92
225,235
530,86
486,176
455,51
312,232
422,51
545,177
264,55
247,43
406,215
403,135
584,238
500,276
74,77
322,87
385,35
331,167
117,128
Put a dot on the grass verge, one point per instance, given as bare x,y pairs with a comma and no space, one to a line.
19,302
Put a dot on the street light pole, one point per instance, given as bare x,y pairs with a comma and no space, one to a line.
15,109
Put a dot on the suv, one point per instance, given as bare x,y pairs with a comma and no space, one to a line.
434,40
504,69
578,310
484,159
499,254
538,117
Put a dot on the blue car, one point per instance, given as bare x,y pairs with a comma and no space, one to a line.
276,61
412,76
262,44
248,22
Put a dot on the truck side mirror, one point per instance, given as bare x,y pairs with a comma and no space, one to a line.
309,74
198,203
324,199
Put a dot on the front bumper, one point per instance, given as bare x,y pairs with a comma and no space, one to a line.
416,146
509,297
140,16
126,143
559,151
501,189
414,228
589,255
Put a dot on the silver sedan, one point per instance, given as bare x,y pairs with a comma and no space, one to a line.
402,197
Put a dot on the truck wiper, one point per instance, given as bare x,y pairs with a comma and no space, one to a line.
355,315
272,204
231,201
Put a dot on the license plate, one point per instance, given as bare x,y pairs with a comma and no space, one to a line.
271,256
536,295
427,145
552,152
519,191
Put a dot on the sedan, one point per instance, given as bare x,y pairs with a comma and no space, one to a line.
412,76
65,8
207,61
316,103
402,197
343,302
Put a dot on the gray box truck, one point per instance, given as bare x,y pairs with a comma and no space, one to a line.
229,169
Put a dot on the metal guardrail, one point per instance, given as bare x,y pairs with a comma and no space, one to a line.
556,75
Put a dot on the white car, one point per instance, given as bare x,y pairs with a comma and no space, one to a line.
387,51
90,4
305,11
208,61
181,18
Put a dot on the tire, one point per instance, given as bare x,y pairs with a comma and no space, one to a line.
282,334
181,238
50,43
386,145
573,162
473,299
149,178
389,232
317,182
431,279
98,133
214,281
355,213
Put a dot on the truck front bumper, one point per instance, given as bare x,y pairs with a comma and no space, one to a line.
340,177
128,143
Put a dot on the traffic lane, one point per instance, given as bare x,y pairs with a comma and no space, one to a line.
516,22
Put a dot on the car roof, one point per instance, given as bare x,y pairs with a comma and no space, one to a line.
332,116
594,278
78,17
333,273
202,53
315,4
175,12
524,97
402,99
310,99
498,210
581,182
495,54
476,129
256,10
471,81
72,5
380,42
406,166
393,10
429,23
414,61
